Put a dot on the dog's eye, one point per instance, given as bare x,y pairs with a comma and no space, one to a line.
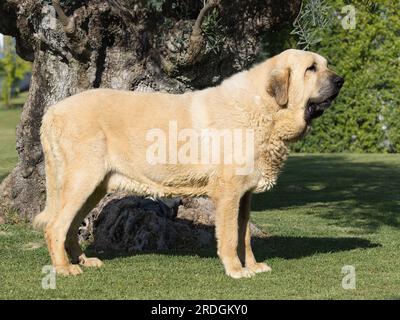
312,68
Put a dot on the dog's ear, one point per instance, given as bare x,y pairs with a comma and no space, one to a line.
278,85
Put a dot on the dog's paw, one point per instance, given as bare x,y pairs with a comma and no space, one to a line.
90,262
240,273
68,270
259,267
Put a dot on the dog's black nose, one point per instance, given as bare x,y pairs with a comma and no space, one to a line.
339,81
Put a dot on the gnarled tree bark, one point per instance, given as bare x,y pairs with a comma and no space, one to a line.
124,44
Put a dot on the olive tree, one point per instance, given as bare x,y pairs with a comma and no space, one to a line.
158,45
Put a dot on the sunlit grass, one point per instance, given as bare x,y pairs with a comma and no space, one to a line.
327,211
8,154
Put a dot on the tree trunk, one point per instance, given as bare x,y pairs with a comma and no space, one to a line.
134,45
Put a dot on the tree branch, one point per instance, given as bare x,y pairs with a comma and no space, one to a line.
67,22
196,38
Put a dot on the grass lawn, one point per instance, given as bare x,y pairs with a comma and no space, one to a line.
327,211
8,154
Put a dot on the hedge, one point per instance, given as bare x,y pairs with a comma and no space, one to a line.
366,115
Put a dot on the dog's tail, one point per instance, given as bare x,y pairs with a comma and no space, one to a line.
41,220
49,134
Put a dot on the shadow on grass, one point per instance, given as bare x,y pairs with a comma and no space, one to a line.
347,191
265,248
299,247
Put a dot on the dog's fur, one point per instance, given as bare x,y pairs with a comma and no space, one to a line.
95,142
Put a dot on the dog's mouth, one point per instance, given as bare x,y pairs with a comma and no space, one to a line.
315,110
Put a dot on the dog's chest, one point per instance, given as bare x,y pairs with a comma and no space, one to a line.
271,159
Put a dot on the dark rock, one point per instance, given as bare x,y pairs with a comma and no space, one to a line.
132,223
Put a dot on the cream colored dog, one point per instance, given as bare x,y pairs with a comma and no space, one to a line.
103,140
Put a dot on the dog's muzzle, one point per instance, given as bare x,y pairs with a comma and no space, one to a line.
315,110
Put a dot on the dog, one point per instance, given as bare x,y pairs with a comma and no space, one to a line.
103,140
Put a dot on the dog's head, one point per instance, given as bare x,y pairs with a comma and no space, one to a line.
302,80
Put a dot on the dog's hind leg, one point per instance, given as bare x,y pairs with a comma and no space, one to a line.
244,243
75,190
52,181
72,244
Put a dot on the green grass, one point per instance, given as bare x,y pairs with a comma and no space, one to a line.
327,211
8,154
17,101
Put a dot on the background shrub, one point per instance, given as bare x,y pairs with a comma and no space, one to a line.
366,115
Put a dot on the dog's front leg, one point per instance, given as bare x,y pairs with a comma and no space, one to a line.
226,230
244,246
